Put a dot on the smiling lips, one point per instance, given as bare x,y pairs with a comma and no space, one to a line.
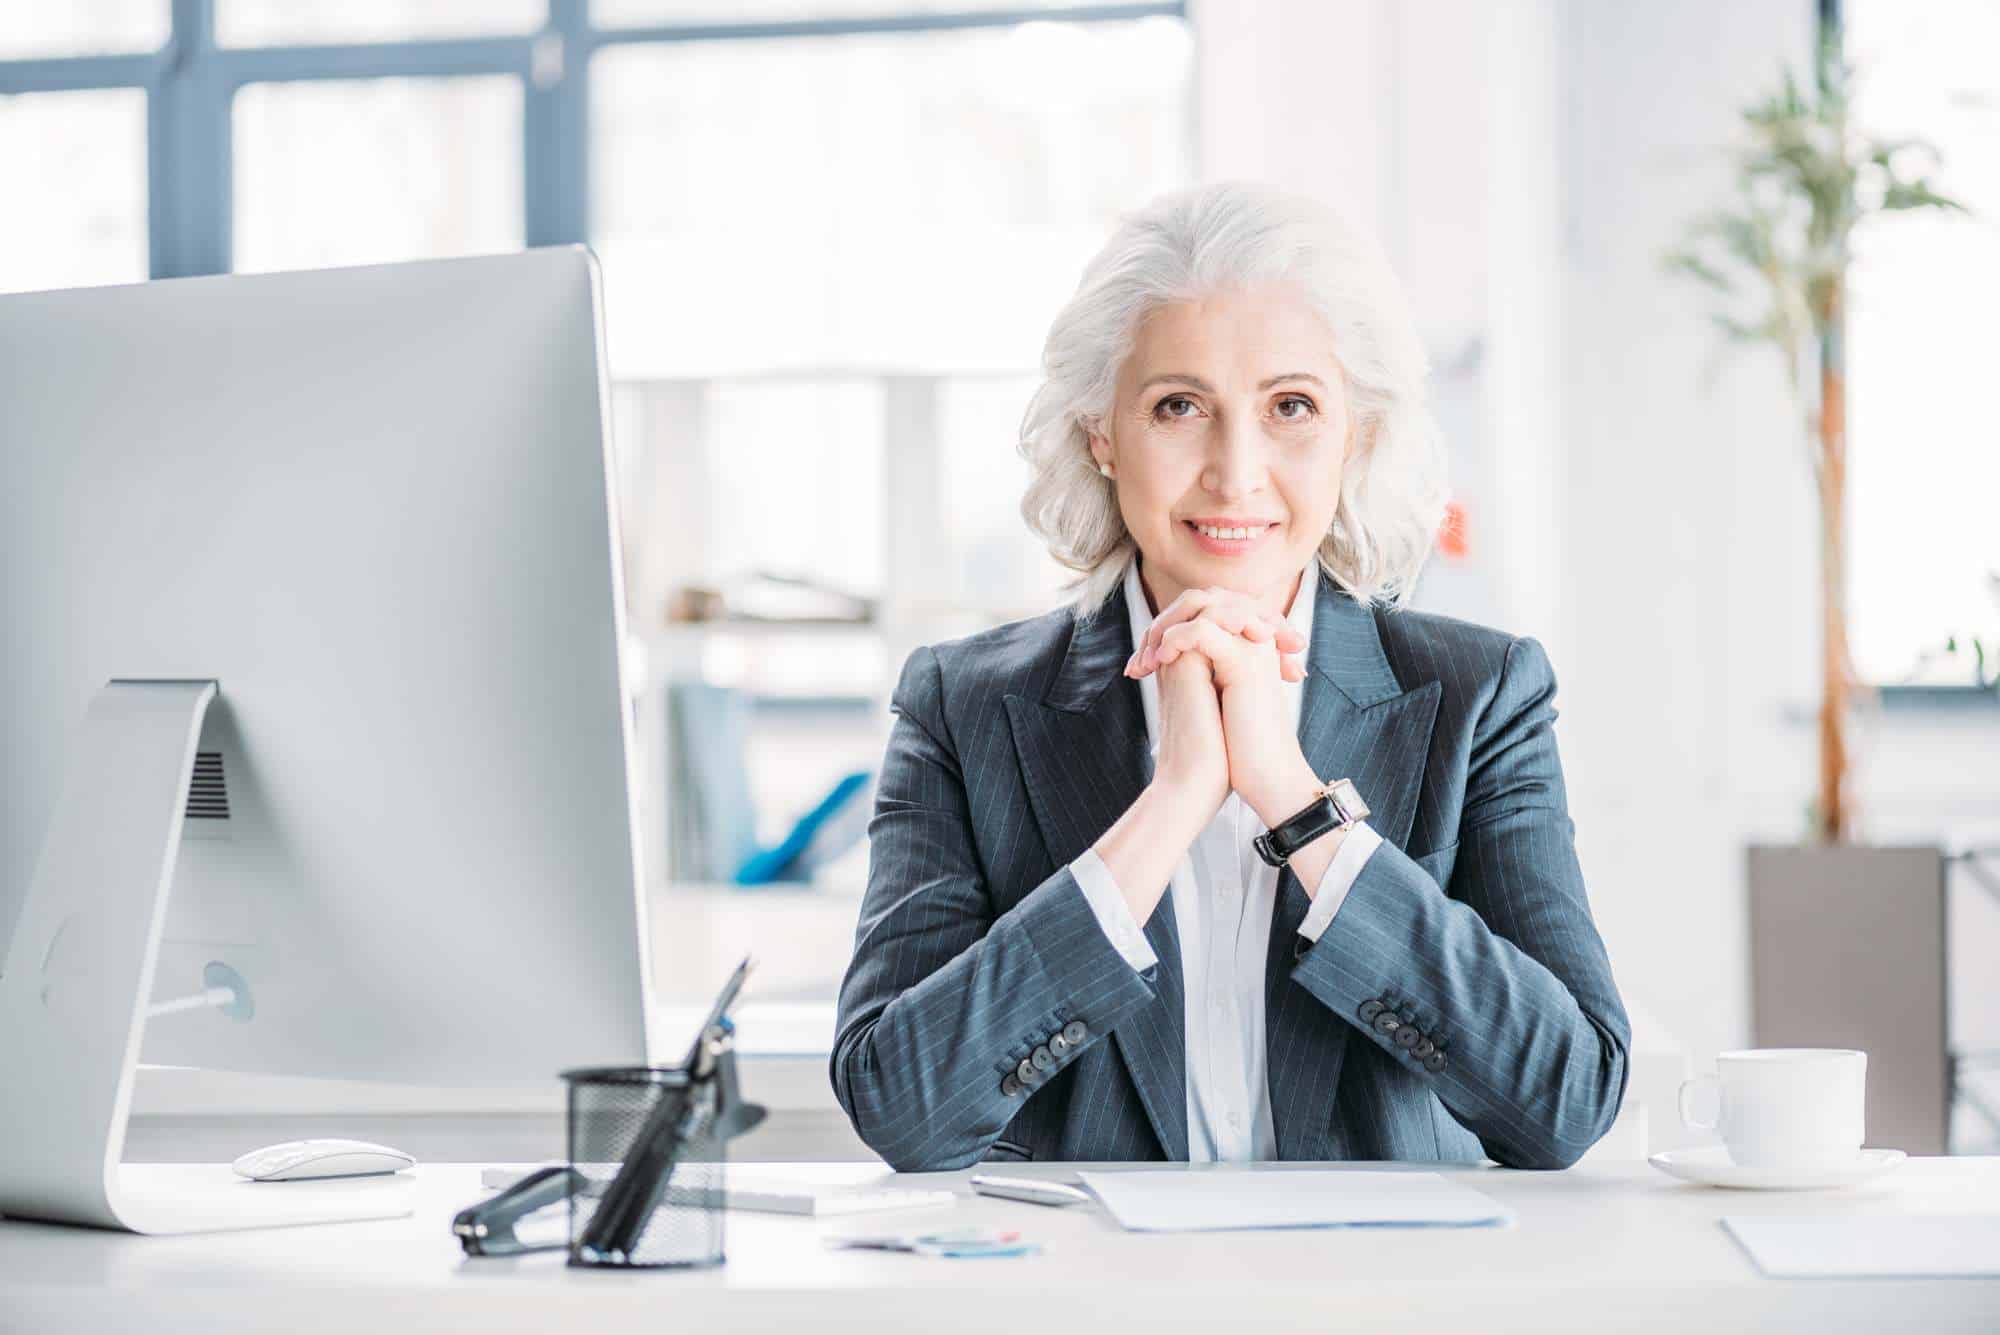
1227,535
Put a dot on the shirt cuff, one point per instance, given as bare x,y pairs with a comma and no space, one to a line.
1114,915
1341,873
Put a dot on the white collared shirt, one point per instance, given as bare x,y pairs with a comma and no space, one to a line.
1223,897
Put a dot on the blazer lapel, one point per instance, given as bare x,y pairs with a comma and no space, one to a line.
1355,721
1085,758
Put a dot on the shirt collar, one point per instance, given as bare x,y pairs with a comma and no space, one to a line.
1300,616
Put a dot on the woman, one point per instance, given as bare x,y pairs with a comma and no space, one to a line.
1073,944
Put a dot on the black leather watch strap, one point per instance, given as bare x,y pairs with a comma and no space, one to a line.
1340,805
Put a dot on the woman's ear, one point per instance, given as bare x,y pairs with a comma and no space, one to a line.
1100,452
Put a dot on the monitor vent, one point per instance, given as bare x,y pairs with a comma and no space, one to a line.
208,795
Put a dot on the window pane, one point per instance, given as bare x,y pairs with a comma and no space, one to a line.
36,28
363,171
1924,470
76,189
922,200
307,22
629,13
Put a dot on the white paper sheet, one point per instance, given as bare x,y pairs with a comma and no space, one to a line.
1851,1246
1180,1200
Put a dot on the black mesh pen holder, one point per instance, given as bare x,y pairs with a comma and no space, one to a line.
643,1187
646,1157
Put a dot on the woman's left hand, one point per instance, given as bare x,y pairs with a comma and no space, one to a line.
1252,653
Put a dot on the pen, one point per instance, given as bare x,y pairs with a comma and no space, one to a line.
1028,1189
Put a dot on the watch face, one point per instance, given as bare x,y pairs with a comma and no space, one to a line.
1347,798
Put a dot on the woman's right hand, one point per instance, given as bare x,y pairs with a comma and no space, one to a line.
1192,760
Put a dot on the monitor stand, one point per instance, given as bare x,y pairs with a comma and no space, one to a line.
79,975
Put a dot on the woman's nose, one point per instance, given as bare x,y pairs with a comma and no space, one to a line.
1236,461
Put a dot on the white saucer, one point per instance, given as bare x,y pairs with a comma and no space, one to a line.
1711,1166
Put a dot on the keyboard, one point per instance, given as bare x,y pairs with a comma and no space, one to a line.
752,1187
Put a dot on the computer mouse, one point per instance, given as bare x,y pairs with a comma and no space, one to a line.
297,1159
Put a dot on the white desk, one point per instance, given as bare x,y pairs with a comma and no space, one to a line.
1612,1246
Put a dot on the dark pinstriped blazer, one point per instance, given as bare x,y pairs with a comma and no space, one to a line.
1467,935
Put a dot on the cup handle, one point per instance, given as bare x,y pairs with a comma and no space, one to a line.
1689,1089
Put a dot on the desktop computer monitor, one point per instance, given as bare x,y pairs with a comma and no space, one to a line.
311,701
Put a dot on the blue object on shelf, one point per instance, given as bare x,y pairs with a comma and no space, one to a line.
820,835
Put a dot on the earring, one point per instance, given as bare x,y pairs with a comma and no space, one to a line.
1104,470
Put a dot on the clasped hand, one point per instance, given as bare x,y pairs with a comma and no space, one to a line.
1224,724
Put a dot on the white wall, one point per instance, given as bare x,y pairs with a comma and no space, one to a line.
1687,513
1643,508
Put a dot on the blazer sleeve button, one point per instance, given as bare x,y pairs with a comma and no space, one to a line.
1027,1072
1387,1023
1075,1032
1058,1047
1408,1037
1043,1059
1434,1063
1369,1010
1011,1086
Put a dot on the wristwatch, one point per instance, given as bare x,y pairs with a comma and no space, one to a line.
1337,807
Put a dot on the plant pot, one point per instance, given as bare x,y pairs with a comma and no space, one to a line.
1847,950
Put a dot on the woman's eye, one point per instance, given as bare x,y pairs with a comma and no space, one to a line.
1304,405
1165,407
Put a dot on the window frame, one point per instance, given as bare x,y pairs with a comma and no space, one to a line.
191,84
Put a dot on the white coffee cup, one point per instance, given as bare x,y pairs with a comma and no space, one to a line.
1784,1107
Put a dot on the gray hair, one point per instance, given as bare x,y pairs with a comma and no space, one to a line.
1187,245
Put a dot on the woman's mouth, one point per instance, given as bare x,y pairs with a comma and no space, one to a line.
1227,536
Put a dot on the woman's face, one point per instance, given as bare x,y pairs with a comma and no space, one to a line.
1227,440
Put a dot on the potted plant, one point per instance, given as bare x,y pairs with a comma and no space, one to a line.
1777,257
1845,941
